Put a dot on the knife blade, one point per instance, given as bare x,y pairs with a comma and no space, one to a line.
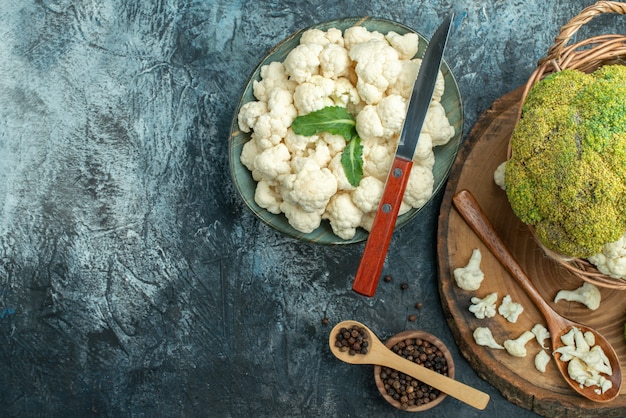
373,258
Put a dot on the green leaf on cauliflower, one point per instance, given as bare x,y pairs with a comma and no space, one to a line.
352,161
335,120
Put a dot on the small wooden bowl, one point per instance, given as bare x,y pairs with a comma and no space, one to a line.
413,334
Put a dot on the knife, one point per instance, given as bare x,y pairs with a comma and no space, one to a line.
368,273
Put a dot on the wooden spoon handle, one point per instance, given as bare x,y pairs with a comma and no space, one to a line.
470,210
454,388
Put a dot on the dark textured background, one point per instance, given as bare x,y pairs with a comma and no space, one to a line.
133,281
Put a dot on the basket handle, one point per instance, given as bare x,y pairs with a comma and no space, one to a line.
571,27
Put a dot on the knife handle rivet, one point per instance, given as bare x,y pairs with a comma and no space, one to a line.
397,172
386,208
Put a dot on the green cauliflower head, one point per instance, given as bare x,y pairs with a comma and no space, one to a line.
567,172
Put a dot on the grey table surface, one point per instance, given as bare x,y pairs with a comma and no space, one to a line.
133,280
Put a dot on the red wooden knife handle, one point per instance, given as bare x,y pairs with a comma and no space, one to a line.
368,273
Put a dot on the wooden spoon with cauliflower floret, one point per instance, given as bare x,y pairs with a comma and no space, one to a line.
558,326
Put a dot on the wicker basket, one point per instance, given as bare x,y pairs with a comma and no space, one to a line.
585,56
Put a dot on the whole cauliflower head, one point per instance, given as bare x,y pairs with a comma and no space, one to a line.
567,173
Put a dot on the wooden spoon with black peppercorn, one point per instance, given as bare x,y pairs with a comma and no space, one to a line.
375,352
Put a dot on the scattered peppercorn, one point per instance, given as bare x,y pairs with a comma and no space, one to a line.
405,389
354,340
388,278
418,305
324,321
404,286
412,318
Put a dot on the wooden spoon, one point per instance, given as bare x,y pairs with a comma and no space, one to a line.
470,210
379,354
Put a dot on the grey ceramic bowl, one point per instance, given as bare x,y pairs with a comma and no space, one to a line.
444,155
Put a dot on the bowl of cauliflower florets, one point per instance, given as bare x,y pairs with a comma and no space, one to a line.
315,131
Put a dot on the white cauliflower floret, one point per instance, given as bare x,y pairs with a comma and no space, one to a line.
344,215
587,294
377,160
406,44
280,105
267,197
310,187
270,128
612,260
391,112
498,175
377,67
368,124
406,79
509,309
368,194
517,347
303,62
314,94
541,334
484,337
335,61
437,125
273,162
335,36
541,361
368,221
249,151
383,121
249,114
320,153
471,276
358,34
419,188
424,154
299,219
440,87
320,37
345,93
485,307
298,144
273,76
314,36
268,131
336,143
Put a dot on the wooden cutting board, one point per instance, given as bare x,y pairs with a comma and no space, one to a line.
516,378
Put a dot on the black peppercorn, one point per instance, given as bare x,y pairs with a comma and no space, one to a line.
353,340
